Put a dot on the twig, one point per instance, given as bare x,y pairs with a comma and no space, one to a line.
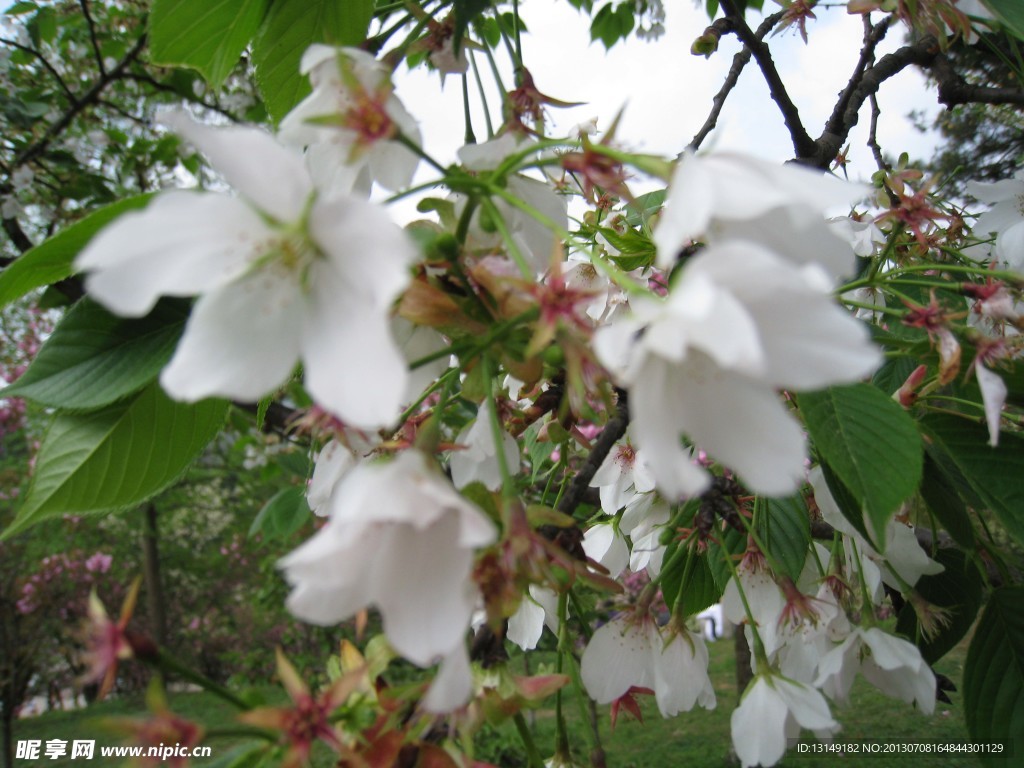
89,98
92,36
739,61
45,62
803,144
872,142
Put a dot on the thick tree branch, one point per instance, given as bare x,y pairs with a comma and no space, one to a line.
803,144
954,89
921,53
872,37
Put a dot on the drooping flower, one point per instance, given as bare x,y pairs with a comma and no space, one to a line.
352,118
534,237
891,664
282,275
478,460
604,544
539,608
728,195
401,539
738,323
632,652
774,709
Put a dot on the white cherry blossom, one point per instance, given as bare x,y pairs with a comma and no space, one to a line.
1005,219
726,195
891,664
621,476
352,118
705,362
774,709
282,276
399,538
633,651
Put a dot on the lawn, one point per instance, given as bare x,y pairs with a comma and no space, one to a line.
698,739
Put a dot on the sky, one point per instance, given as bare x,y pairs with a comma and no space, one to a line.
667,92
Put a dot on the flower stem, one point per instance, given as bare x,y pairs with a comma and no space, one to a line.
532,755
167,663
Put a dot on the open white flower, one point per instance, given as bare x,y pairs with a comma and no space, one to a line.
622,475
739,323
1006,218
401,539
282,276
630,652
352,117
774,709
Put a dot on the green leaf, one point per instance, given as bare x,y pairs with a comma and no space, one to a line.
94,358
946,504
992,476
51,261
845,501
290,28
735,544
116,457
1010,14
870,443
994,672
465,12
206,35
784,526
958,590
283,515
699,592
20,8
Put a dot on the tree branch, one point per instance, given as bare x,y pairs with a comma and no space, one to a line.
89,98
803,144
739,61
612,432
954,89
922,53
45,62
872,37
92,36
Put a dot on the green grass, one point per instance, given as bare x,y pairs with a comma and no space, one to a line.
698,739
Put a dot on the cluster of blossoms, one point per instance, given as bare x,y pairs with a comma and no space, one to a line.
419,477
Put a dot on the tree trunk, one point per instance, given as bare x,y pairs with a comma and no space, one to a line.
151,571
8,737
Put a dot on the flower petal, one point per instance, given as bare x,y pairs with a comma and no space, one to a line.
241,341
353,366
184,243
271,176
